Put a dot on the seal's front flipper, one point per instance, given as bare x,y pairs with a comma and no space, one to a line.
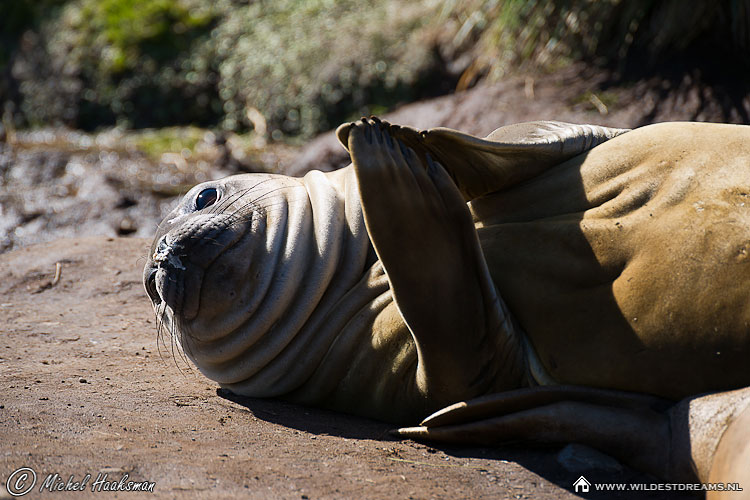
424,236
675,442
506,157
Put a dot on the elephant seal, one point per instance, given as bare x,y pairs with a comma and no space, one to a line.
549,264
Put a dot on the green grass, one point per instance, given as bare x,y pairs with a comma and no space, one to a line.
156,142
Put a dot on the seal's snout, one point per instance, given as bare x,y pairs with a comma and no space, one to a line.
167,278
174,274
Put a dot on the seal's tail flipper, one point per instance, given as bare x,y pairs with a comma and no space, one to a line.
674,442
508,156
630,427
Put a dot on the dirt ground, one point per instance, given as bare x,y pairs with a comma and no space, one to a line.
86,390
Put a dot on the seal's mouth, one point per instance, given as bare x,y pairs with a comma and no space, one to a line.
151,290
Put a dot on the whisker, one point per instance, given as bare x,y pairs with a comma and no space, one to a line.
178,345
219,207
184,347
224,203
160,312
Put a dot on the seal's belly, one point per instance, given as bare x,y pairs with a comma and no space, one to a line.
629,267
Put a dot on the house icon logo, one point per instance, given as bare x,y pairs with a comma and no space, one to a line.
581,485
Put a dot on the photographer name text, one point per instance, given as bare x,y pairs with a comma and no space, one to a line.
24,480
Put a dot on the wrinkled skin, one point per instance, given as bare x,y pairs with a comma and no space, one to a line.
597,259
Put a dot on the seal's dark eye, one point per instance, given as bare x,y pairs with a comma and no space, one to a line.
206,198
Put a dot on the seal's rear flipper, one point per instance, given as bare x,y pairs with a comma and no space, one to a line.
675,442
508,156
629,427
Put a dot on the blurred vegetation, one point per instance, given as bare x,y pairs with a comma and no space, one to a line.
292,68
155,142
19,16
635,37
134,63
306,66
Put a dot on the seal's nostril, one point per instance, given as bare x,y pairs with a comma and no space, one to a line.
164,255
161,247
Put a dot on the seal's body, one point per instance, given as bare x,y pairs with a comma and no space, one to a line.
629,266
440,267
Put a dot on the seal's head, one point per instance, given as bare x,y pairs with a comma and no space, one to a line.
209,251
238,270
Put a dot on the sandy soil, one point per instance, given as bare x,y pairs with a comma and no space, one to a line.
86,390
